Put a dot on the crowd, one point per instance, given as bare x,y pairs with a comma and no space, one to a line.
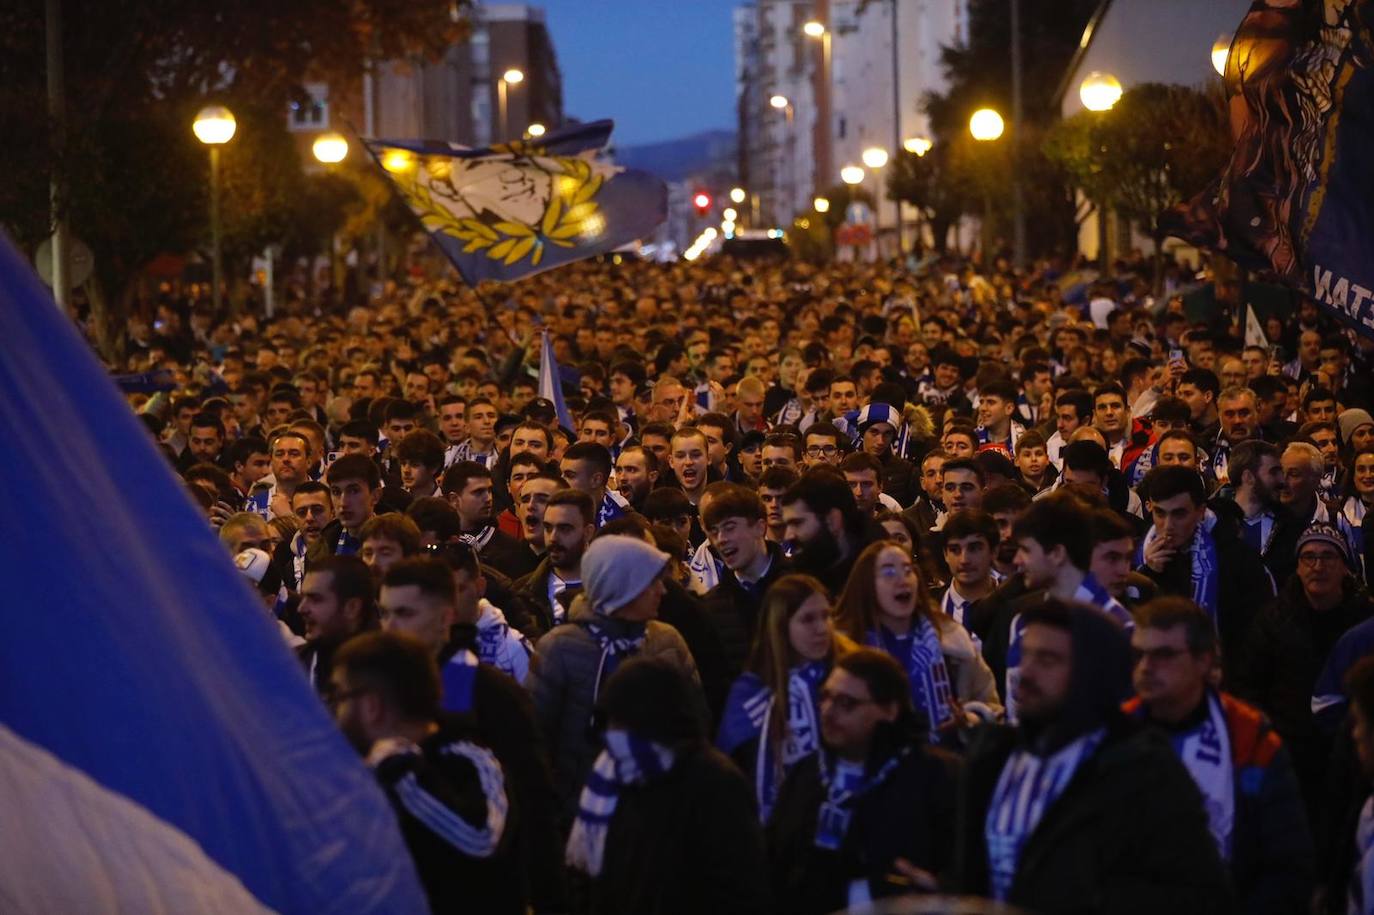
837,583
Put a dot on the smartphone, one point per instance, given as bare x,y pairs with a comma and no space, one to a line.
1175,355
331,457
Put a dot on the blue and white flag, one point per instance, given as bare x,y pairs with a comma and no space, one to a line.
514,209
550,384
160,747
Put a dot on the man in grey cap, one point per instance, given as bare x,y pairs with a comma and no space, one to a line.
613,619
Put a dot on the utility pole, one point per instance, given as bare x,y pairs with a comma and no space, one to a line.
1017,122
896,129
57,196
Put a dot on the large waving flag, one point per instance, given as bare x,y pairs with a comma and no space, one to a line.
1297,198
508,211
160,748
551,381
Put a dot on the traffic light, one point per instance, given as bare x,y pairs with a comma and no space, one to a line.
702,202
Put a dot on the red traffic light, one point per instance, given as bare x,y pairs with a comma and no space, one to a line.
702,201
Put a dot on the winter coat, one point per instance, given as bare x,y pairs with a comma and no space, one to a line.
683,610
684,844
734,610
1272,859
1279,665
565,687
534,589
909,815
1128,835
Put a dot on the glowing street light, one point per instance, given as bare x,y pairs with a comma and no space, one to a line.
510,78
330,148
852,174
536,129
814,29
729,214
985,124
918,145
875,157
1100,91
214,126
778,101
821,204
737,195
701,201
1221,50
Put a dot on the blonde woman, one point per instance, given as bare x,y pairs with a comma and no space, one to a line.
886,605
793,652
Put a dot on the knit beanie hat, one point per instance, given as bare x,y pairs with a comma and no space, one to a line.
1351,420
1328,534
616,569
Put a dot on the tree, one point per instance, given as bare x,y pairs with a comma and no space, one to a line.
931,184
1158,146
136,72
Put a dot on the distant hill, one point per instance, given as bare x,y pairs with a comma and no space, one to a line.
675,160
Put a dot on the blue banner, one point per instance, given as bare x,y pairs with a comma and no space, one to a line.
508,211
1297,198
160,745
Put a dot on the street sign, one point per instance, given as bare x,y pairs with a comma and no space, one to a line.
80,262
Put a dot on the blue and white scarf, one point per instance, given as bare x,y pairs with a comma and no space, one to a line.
499,645
1206,753
919,653
613,648
625,760
458,678
1028,786
748,712
613,506
1202,553
845,784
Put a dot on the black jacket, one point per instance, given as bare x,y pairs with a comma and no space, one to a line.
1128,835
686,844
1279,665
534,590
900,479
1281,556
909,815
507,555
1242,586
504,718
990,620
734,610
684,611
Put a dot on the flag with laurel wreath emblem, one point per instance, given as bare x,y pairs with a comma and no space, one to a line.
510,210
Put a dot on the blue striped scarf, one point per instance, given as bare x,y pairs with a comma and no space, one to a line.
924,663
626,760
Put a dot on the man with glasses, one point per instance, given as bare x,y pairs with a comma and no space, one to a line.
1289,643
1254,807
823,445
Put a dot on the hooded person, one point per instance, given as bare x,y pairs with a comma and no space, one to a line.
1076,805
612,620
665,822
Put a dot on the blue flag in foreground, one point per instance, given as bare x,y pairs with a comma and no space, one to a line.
550,382
1297,198
160,747
508,211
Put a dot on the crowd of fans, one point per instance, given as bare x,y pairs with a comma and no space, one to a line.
836,583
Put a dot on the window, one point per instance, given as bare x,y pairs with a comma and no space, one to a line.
311,113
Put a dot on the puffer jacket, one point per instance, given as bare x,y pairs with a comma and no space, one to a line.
565,685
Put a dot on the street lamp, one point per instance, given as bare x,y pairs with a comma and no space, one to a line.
729,214
510,78
536,130
821,204
737,195
813,29
821,92
214,126
918,145
778,101
852,174
875,157
1100,91
985,125
330,148
1221,50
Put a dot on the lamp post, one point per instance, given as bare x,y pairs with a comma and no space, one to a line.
1018,203
874,158
1221,50
536,130
986,126
214,126
510,78
1100,91
330,149
816,30
783,104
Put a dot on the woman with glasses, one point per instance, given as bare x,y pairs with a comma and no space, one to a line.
793,652
885,605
